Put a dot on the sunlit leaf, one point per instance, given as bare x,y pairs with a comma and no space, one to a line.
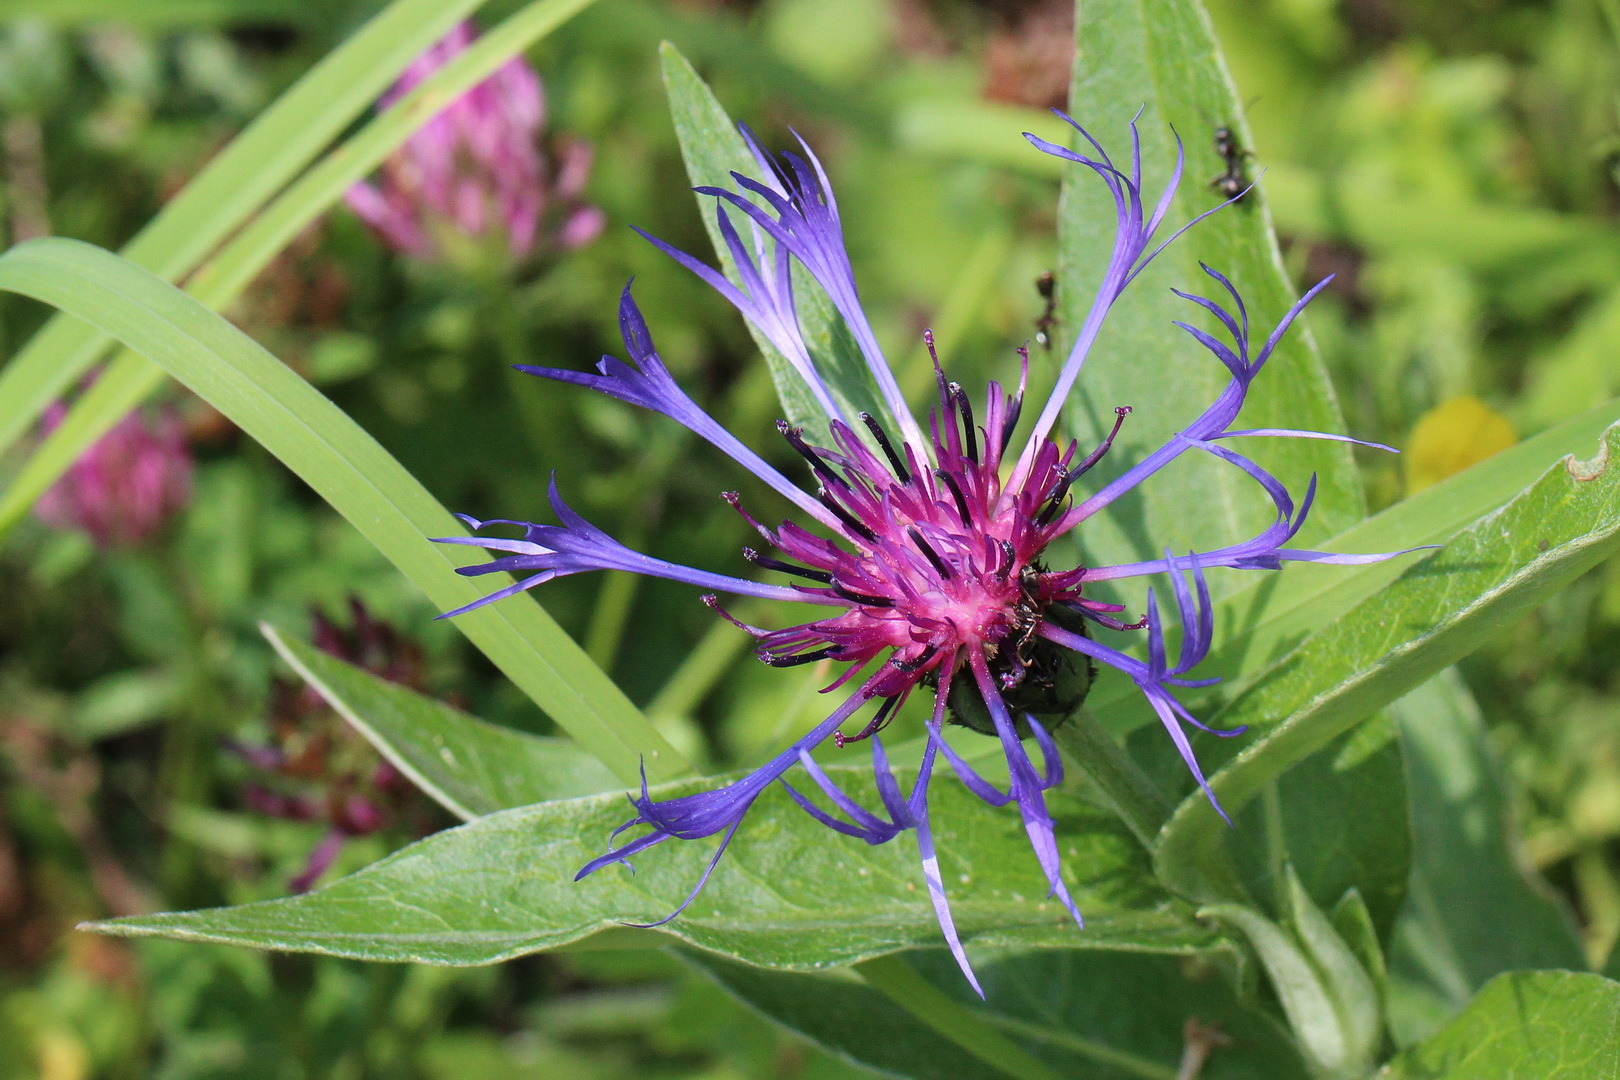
1524,1024
1439,610
1161,58
788,893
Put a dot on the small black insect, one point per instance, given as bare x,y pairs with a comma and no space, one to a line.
1233,183
1035,675
1046,285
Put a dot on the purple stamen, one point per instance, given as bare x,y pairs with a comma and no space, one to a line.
882,438
956,493
765,562
800,658
876,724
965,408
929,553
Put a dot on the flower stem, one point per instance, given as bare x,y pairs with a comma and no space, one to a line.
1135,797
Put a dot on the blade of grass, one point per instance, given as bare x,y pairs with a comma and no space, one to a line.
276,147
131,377
167,14
349,469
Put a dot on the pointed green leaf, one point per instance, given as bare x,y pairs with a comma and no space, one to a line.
1160,56
1276,610
713,149
1437,611
1312,1012
469,767
1525,1025
787,893
350,470
1348,986
1354,923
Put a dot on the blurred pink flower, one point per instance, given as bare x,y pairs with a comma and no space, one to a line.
125,487
317,768
477,167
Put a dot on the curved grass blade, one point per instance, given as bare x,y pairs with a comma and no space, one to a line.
348,468
257,163
131,377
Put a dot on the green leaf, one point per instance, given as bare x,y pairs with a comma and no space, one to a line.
713,149
848,1017
130,378
978,130
1524,1025
1468,882
788,892
1354,923
896,979
349,469
469,767
1160,56
276,147
1348,984
1437,611
1259,623
1339,820
1089,1015
1450,228
1329,998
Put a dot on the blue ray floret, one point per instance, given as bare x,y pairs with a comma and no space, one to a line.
933,563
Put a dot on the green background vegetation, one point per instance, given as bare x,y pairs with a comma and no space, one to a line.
1452,162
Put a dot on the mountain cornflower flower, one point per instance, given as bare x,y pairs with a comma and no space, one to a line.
127,485
931,562
476,168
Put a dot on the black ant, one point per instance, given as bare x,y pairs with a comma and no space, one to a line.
1027,614
1233,184
1046,285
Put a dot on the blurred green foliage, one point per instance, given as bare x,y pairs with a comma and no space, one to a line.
1454,163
